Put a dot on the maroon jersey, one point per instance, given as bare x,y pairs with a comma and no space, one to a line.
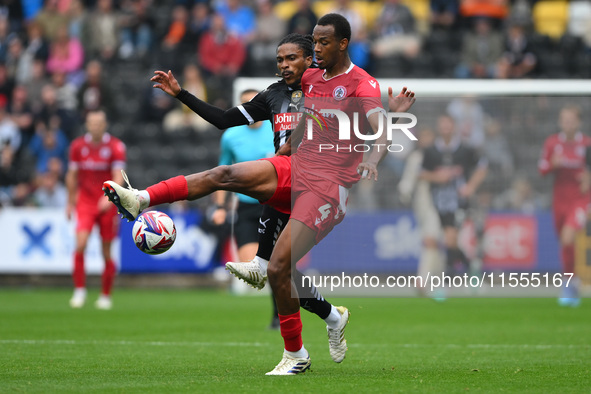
567,185
95,163
353,91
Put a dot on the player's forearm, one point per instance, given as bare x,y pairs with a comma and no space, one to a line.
212,114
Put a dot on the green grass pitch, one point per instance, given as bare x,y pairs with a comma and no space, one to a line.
169,341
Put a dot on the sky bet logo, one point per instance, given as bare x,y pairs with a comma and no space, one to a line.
344,126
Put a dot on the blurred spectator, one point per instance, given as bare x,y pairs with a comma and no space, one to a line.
50,192
360,50
177,29
22,196
95,93
304,20
496,10
36,48
468,116
182,117
137,27
49,142
4,37
481,51
21,113
200,21
100,31
51,19
10,135
7,171
344,8
67,103
518,61
520,197
10,142
444,14
13,10
222,55
38,79
31,9
66,54
395,31
77,16
240,19
6,84
14,57
270,29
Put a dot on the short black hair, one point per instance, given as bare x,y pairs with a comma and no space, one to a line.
342,28
304,42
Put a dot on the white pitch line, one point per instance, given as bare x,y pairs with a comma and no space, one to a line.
258,344
127,343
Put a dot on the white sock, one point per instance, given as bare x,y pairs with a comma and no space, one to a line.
262,263
334,318
80,292
144,199
302,353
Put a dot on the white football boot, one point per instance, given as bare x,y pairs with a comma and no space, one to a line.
337,343
104,302
291,366
249,272
78,298
126,200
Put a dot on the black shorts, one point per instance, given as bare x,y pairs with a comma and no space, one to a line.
448,219
247,223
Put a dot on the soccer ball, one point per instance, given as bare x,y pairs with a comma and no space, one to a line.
154,232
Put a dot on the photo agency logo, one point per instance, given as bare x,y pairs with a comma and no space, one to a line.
352,136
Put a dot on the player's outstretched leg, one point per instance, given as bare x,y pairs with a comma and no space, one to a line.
256,179
128,200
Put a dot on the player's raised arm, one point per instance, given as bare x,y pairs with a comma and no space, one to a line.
212,114
402,102
166,82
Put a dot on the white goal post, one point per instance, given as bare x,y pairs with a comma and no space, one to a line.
457,87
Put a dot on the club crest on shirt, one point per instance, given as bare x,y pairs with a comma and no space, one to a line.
339,93
105,152
296,96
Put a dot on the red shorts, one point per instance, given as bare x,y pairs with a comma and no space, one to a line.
108,222
281,199
573,215
319,204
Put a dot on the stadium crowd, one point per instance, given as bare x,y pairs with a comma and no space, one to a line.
62,58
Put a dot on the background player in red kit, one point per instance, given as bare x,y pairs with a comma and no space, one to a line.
94,158
563,155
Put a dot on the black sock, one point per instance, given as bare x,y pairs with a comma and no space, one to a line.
310,298
270,225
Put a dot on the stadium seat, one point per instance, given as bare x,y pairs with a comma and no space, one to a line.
369,10
551,17
421,10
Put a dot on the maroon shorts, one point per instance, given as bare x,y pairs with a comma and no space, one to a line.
319,204
108,222
281,199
